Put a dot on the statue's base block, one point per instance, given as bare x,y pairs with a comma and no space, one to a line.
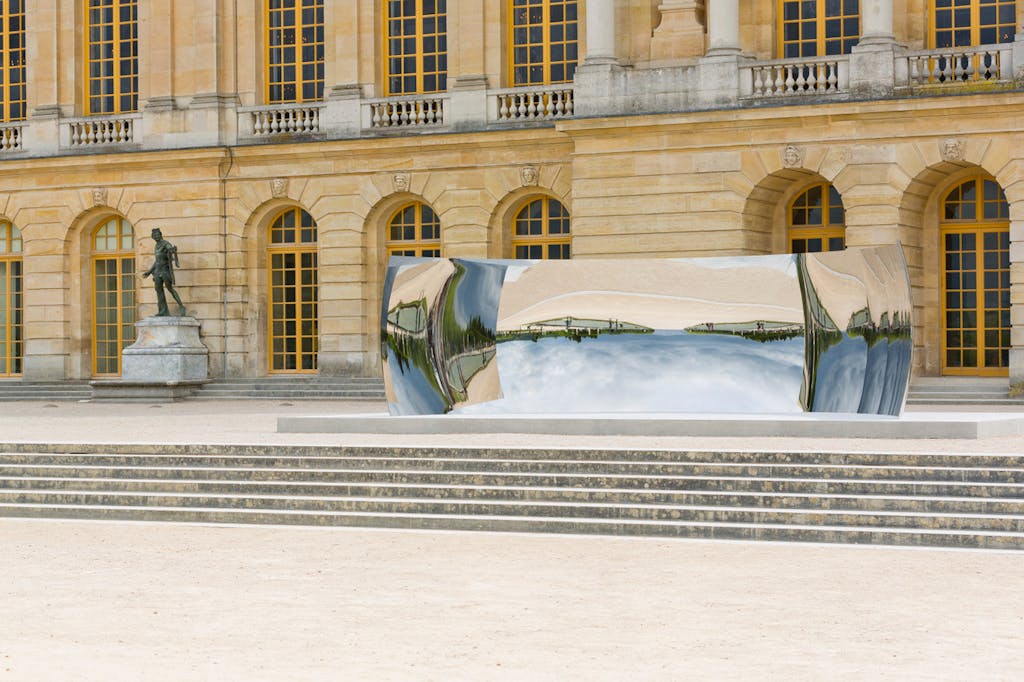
167,362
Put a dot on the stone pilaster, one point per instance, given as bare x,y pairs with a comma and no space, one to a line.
680,34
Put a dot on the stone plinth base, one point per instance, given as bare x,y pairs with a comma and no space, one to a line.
142,392
167,362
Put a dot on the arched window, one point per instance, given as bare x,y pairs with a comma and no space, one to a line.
113,286
541,230
12,305
417,46
294,296
112,64
414,230
975,234
544,41
965,23
817,220
295,51
818,27
12,60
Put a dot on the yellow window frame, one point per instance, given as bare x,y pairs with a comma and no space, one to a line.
415,218
826,229
419,54
308,35
821,22
977,225
12,301
548,43
119,76
532,231
113,243
1004,30
12,61
293,232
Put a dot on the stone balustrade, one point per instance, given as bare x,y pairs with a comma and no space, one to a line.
404,112
282,119
795,77
528,104
103,131
720,82
957,67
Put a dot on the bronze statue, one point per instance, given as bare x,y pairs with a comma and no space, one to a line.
165,260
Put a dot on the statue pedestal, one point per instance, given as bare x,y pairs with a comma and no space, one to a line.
167,362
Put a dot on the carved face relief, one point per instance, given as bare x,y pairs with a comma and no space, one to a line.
792,156
99,196
400,181
279,187
952,149
529,175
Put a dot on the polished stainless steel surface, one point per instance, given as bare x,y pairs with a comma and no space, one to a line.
826,332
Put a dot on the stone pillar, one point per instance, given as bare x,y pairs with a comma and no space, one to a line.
467,73
43,48
681,31
601,32
723,27
341,69
873,58
876,22
156,59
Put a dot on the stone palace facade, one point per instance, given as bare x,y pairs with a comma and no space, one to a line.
286,147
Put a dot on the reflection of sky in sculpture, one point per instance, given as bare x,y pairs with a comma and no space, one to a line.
841,372
414,392
660,372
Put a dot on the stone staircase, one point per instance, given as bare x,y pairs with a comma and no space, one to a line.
54,390
294,388
886,499
961,391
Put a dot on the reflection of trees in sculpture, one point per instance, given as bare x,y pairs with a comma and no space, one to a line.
574,328
762,331
431,339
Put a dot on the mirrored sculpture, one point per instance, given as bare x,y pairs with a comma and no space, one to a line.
824,332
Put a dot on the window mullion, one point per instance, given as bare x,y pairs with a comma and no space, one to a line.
421,80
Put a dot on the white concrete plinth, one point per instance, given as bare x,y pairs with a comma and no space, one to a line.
167,362
813,425
166,349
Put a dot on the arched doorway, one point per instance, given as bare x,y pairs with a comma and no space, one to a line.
294,296
974,230
816,220
12,303
113,286
540,230
414,230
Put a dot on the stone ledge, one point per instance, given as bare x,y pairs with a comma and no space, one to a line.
143,391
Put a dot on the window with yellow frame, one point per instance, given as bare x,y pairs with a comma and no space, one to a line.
540,230
416,46
816,220
975,235
294,292
295,51
12,304
112,56
414,230
814,28
113,287
544,41
12,60
965,23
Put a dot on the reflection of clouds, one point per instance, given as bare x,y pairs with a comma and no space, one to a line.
650,373
785,263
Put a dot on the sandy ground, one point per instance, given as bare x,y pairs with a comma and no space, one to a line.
137,601
122,601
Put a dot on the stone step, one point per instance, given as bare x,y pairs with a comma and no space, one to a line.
296,468
906,503
1010,523
314,456
908,486
679,529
